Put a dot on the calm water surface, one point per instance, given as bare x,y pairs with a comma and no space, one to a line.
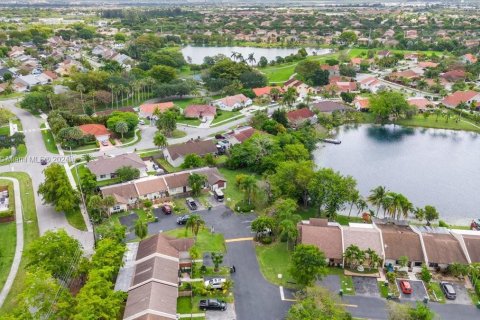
198,53
429,166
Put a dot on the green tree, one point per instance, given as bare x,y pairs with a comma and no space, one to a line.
167,122
308,264
35,101
348,37
196,182
194,223
121,127
431,214
141,229
288,232
108,253
388,105
248,185
127,173
97,299
317,303
5,116
217,259
292,179
425,274
56,189
289,97
262,224
55,252
403,261
162,73
263,62
377,196
130,118
160,140
192,160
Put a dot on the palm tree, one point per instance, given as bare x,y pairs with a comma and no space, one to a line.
248,185
251,58
354,197
288,230
240,57
160,140
233,56
386,203
112,87
377,196
194,223
87,157
438,112
121,127
419,214
289,97
405,206
362,205
80,88
275,93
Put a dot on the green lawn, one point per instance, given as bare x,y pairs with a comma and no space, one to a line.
206,241
11,95
48,140
18,123
435,287
232,192
88,147
383,289
5,152
30,229
178,134
357,52
166,165
21,153
75,219
5,130
431,122
188,121
183,103
273,260
225,115
7,249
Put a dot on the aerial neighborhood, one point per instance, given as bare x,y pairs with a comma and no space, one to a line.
290,160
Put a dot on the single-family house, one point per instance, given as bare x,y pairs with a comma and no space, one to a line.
177,183
422,104
471,243
104,167
454,75
215,180
469,58
427,64
240,135
175,154
200,112
298,117
265,91
411,34
384,54
302,88
233,102
99,131
125,195
147,110
361,103
407,74
328,106
151,187
327,236
399,240
332,70
371,84
458,97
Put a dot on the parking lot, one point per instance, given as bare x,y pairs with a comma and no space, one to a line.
366,286
462,295
418,293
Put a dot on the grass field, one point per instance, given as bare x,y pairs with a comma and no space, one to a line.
273,260
8,243
232,192
30,228
75,219
188,121
21,153
48,140
178,134
431,122
353,53
5,130
206,241
225,115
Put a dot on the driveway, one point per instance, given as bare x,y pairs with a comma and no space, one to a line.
462,295
418,293
255,297
331,282
228,314
366,286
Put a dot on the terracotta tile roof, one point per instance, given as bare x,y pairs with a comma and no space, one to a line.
458,97
356,61
443,248
329,106
427,64
408,74
151,185
51,74
454,75
197,111
232,100
149,108
264,91
420,103
94,129
300,114
472,243
327,239
364,238
329,67
107,165
363,102
401,241
200,148
244,134
470,57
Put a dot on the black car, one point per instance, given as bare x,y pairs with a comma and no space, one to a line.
191,203
212,304
183,219
448,290
43,161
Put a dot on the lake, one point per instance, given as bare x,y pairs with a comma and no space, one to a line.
198,53
429,166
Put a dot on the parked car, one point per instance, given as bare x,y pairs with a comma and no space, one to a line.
167,209
448,290
43,161
155,166
475,225
104,143
215,283
141,122
191,203
406,287
183,219
212,304
218,195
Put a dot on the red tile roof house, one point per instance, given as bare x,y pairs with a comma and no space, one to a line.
100,132
361,103
454,75
233,102
469,58
372,84
148,109
332,70
265,91
302,88
383,54
326,236
240,135
420,103
200,112
175,154
298,117
458,97
104,167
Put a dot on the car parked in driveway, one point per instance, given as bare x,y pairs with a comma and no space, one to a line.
448,290
212,304
406,287
183,219
215,283
191,203
167,209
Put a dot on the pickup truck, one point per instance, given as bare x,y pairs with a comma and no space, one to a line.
212,304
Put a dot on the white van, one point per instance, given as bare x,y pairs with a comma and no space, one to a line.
218,195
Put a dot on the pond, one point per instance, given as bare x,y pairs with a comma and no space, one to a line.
198,53
429,166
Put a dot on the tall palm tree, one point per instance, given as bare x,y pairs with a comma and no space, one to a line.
289,97
233,56
354,196
377,196
362,205
80,88
405,207
248,185
288,231
240,57
251,58
194,223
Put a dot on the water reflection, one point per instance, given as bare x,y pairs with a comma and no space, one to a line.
389,133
